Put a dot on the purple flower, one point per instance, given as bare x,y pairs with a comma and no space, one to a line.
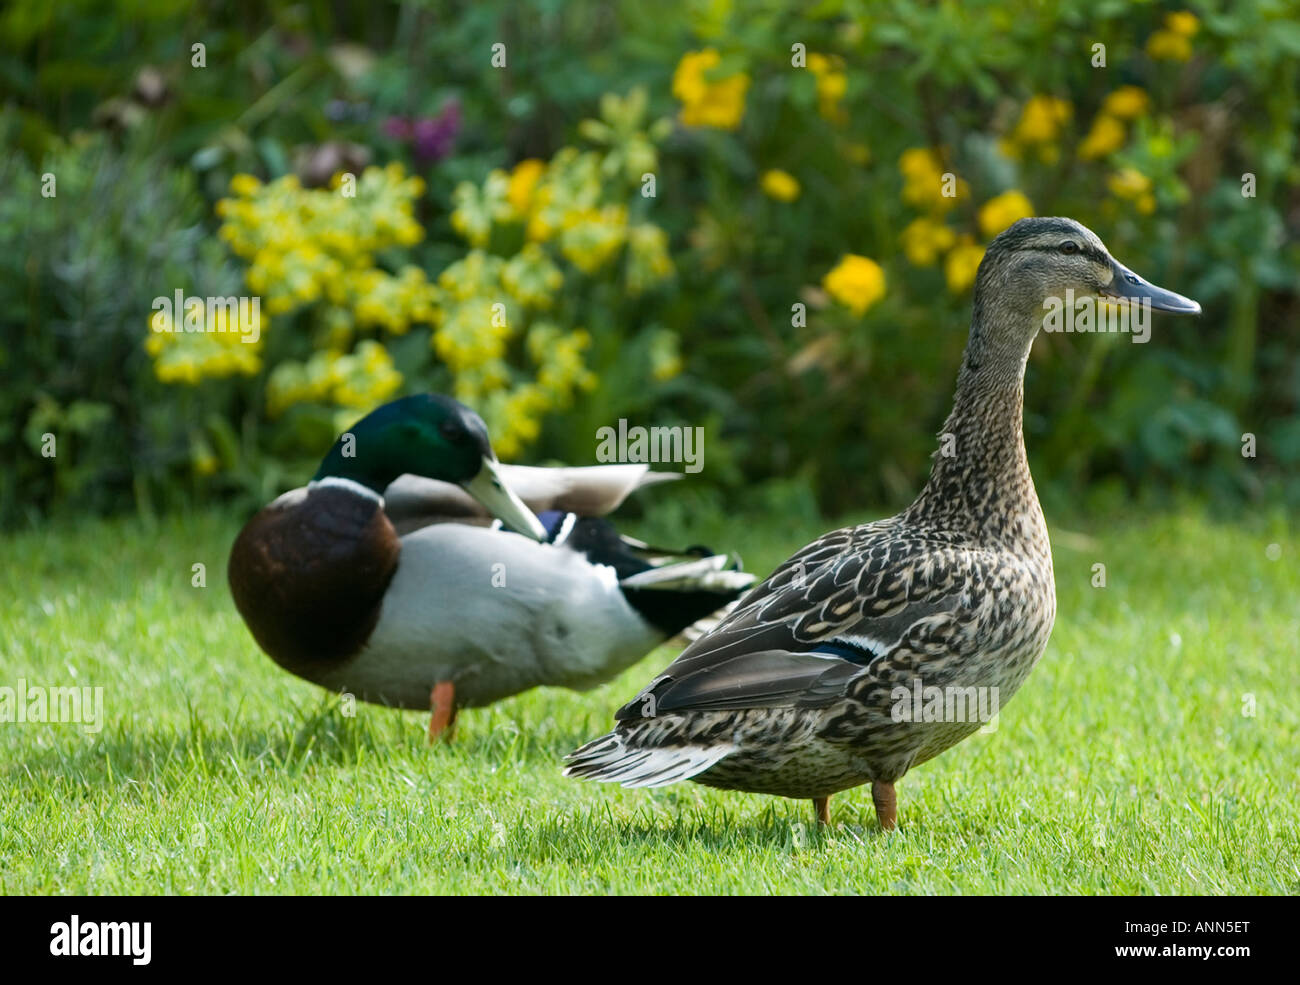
397,127
431,137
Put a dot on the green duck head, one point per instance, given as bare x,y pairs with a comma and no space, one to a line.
432,436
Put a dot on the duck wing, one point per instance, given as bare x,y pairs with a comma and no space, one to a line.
414,501
817,624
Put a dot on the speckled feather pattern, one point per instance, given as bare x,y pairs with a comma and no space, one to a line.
977,603
798,684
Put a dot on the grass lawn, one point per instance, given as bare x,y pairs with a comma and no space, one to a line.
1128,763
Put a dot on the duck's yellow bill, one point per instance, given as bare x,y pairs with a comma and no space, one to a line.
490,489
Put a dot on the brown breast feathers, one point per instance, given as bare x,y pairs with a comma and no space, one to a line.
308,574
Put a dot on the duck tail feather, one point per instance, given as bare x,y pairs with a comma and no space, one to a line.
616,758
717,573
675,596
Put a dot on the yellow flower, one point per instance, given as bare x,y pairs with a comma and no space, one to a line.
1132,185
665,355
1105,137
1183,23
648,259
923,180
531,278
471,336
476,209
924,239
366,378
1170,44
962,264
523,181
919,162
1129,183
832,83
780,185
244,185
706,103
1041,120
856,282
206,343
998,213
539,230
1126,103
591,237
689,84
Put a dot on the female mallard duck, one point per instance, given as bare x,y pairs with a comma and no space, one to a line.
810,685
400,589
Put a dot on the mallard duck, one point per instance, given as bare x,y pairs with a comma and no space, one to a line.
818,680
388,578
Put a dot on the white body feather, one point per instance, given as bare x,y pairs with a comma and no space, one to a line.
494,613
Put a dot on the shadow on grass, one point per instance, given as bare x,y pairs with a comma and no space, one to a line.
312,736
589,837
308,735
303,738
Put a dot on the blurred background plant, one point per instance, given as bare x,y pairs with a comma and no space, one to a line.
749,217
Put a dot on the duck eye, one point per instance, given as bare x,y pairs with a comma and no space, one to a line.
452,430
1069,247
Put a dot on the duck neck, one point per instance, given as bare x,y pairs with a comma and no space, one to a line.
980,479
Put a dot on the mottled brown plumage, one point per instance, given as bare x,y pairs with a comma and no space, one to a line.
801,690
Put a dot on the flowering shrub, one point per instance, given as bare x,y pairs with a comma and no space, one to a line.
569,212
312,248
223,349
768,225
314,253
882,232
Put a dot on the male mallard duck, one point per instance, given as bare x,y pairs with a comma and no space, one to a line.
811,685
400,589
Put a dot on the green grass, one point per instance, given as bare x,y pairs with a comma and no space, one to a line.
1125,764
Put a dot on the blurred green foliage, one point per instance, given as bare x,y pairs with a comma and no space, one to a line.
791,139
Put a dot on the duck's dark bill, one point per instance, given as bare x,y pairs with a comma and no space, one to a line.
491,490
1128,286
